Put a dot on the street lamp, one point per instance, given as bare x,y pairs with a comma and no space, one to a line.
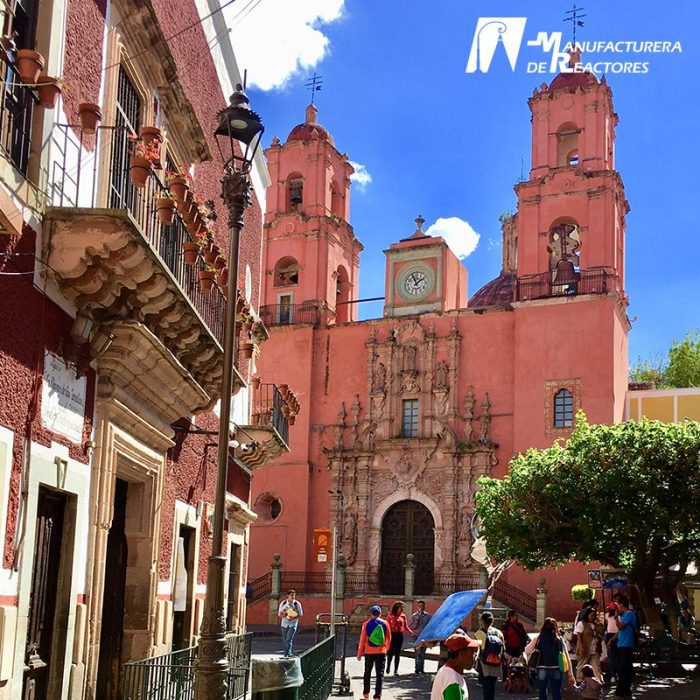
238,124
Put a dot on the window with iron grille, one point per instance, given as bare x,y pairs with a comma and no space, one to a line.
563,409
409,424
128,121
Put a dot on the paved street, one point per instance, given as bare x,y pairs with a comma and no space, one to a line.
408,686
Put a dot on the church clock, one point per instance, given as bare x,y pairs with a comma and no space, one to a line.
415,282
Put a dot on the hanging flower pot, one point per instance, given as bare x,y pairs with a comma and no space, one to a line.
211,253
165,209
222,278
247,350
48,89
177,184
220,262
90,117
247,326
150,134
206,280
255,383
29,65
140,168
190,252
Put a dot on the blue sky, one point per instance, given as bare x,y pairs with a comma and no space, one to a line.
443,143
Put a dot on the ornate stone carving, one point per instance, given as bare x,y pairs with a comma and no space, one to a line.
350,537
469,401
485,420
378,403
409,382
379,379
340,428
410,357
441,396
441,372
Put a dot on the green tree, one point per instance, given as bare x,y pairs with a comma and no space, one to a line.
625,495
680,368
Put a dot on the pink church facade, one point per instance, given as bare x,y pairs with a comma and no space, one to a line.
402,414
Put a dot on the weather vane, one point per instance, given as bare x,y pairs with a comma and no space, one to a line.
574,16
313,84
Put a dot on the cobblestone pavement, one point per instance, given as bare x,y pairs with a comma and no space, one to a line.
408,686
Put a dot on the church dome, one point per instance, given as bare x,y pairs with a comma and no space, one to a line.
310,130
497,292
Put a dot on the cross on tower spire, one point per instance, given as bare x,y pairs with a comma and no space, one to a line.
313,84
574,16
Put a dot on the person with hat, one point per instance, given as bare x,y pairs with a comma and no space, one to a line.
449,683
289,612
375,640
491,656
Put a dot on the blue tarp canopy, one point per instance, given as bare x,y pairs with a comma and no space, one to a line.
448,616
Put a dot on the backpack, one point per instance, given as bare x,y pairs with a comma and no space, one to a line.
493,649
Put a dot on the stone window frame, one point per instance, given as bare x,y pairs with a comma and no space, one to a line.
551,387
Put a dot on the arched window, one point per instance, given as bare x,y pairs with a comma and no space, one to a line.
563,409
567,143
342,296
336,201
295,192
286,272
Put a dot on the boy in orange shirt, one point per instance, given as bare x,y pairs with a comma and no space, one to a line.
375,640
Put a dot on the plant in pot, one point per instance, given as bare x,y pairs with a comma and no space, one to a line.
190,252
165,207
141,161
222,278
255,383
211,253
178,183
220,262
48,89
207,275
247,349
29,65
90,117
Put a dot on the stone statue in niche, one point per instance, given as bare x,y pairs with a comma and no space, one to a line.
469,402
441,375
409,357
340,428
349,537
379,383
485,420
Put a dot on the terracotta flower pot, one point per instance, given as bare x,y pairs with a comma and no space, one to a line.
220,262
49,90
255,383
90,117
149,134
179,187
190,252
222,278
29,65
247,350
165,209
140,168
211,253
206,280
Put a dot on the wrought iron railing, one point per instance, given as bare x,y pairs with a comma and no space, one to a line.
288,314
446,584
268,409
523,603
261,587
317,667
361,583
307,582
542,286
76,181
17,107
171,676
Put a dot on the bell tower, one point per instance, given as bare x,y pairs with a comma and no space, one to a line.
310,253
571,211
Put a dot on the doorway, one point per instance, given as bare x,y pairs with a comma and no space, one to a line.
43,651
112,631
184,588
234,587
407,527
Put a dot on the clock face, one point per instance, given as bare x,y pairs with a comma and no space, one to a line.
416,283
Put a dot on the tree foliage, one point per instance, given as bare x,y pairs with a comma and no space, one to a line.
679,369
626,495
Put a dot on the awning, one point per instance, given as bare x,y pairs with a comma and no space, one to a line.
448,616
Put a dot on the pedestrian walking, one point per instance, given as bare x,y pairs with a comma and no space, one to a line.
375,639
551,659
515,638
419,620
610,640
449,683
588,645
490,656
398,624
289,611
626,621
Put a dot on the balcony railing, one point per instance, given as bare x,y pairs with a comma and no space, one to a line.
261,587
16,112
542,286
99,178
289,314
446,584
268,410
523,603
310,582
171,676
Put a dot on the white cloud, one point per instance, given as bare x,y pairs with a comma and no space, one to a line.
361,176
274,39
458,234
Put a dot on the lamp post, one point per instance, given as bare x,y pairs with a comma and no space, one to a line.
236,123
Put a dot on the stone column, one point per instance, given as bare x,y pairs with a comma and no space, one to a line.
275,588
409,577
340,584
541,603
